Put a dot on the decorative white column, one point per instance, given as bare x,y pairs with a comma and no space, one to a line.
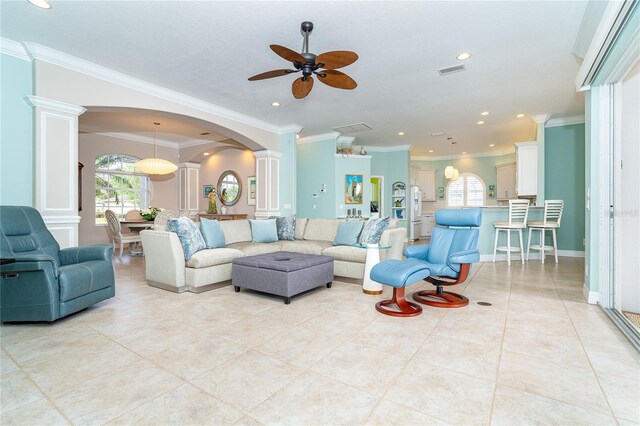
56,167
541,121
189,188
267,183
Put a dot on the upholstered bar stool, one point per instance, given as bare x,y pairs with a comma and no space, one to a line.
518,212
552,215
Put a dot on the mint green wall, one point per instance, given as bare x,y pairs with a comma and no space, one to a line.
288,173
394,166
16,135
564,180
316,166
353,166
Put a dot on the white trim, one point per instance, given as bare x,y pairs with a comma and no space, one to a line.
267,153
532,256
387,148
625,64
46,54
13,48
40,102
61,219
541,118
352,156
346,140
565,121
457,157
592,297
190,165
150,141
331,136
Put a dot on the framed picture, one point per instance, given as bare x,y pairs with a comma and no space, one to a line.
251,191
206,189
353,189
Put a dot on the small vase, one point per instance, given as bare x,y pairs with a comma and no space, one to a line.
223,210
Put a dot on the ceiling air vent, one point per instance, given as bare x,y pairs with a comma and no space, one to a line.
451,70
352,128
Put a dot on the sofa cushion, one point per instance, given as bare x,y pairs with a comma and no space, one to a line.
188,234
212,257
251,249
236,231
372,230
301,224
305,246
264,231
212,233
286,226
321,229
83,278
346,253
348,233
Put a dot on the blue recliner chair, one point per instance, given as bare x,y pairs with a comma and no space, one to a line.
40,282
446,261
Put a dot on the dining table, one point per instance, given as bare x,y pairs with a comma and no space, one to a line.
137,226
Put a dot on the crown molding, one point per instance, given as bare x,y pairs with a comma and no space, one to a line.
13,48
332,136
458,157
267,153
43,53
40,102
565,121
137,138
189,165
387,148
352,156
346,140
541,118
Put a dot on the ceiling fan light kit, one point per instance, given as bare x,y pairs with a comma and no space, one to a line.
323,66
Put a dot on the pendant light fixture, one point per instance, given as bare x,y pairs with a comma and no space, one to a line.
451,172
155,165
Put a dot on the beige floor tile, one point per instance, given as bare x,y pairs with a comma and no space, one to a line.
248,421
390,413
186,405
444,394
252,331
362,367
117,325
557,324
166,334
6,363
312,399
108,396
577,386
513,407
247,381
338,322
197,356
40,412
470,330
621,360
17,390
623,394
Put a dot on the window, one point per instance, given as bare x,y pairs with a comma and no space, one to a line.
118,186
466,191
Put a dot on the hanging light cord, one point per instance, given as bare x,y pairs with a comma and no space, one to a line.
155,138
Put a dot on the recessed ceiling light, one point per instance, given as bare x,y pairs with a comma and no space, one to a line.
463,56
484,113
437,134
430,150
206,153
492,144
297,136
464,152
480,122
400,133
40,3
275,103
519,115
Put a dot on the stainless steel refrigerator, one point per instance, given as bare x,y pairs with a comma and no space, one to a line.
415,213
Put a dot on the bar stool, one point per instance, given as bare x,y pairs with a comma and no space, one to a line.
518,212
552,215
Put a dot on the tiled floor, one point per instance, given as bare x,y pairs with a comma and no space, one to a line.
538,355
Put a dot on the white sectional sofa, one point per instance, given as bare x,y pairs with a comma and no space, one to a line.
207,269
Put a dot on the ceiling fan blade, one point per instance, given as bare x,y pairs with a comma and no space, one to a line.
336,59
336,79
288,54
271,74
301,88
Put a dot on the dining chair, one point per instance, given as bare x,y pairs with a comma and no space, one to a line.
133,215
116,232
160,222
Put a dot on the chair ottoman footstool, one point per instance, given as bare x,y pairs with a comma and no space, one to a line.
399,274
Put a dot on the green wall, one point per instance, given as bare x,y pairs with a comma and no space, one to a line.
315,166
16,134
353,166
394,166
564,180
287,175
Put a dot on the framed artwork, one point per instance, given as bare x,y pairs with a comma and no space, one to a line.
251,191
206,189
353,189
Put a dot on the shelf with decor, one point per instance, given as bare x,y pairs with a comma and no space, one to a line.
399,201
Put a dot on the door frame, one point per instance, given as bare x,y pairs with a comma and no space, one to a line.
381,191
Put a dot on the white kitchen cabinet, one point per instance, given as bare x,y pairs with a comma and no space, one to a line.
426,180
413,175
527,169
428,222
506,181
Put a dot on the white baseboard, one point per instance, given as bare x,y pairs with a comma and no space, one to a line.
532,256
592,297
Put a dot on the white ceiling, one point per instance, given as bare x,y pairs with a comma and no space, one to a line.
521,63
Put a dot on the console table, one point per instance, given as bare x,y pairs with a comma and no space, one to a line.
230,216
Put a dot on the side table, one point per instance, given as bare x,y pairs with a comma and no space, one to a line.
370,286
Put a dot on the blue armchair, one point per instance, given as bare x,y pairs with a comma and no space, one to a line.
449,256
40,282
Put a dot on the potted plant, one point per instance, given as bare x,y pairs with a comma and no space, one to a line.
150,212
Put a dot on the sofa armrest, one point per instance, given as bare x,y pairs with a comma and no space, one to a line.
164,258
74,255
417,252
393,237
32,262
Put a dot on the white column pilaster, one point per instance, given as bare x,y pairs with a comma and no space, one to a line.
267,183
189,197
540,121
56,166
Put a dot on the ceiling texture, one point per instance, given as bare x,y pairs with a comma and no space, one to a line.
521,61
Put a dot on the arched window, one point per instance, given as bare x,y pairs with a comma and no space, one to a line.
466,191
118,186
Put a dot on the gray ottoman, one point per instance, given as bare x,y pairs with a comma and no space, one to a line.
282,273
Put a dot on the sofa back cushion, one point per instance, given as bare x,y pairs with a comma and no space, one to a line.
236,231
301,224
321,229
264,231
348,233
212,233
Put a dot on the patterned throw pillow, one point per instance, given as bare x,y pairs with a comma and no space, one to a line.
372,230
286,227
188,234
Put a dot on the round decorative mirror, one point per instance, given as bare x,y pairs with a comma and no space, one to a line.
229,188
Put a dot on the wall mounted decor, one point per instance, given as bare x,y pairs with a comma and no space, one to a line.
353,189
251,191
206,189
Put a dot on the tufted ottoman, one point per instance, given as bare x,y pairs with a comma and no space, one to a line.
282,273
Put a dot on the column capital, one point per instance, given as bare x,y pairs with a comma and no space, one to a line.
541,118
40,102
267,153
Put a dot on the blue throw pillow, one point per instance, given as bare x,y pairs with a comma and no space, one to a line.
212,233
188,234
264,231
348,233
372,230
286,226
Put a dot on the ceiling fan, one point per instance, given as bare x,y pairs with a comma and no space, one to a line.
324,66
